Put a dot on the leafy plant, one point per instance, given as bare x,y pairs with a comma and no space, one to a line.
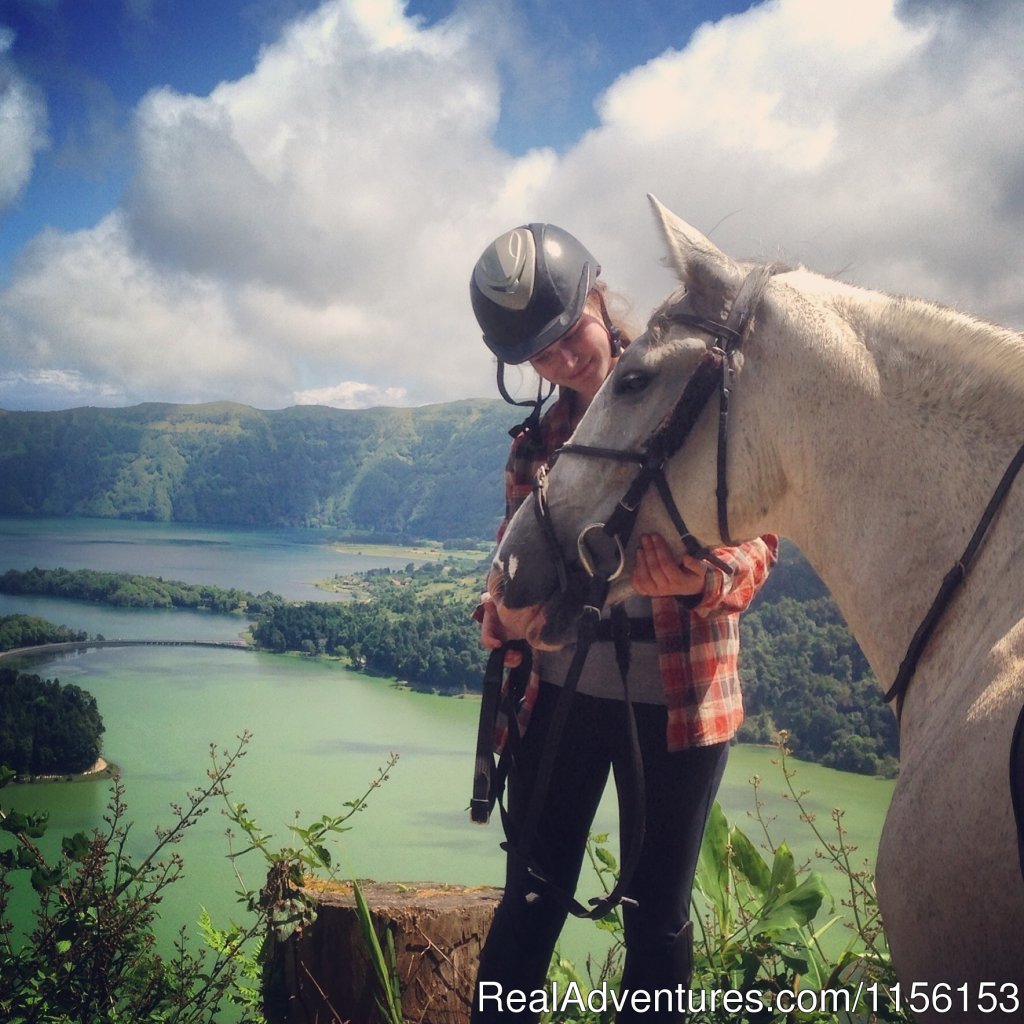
384,962
284,904
758,929
605,973
247,991
92,956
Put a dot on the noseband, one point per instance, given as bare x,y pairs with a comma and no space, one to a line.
601,546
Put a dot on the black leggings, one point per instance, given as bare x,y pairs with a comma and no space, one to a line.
679,790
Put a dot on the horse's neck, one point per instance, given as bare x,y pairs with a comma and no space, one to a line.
892,481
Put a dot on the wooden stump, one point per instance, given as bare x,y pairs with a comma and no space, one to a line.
437,930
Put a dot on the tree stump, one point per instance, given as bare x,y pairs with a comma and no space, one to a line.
437,931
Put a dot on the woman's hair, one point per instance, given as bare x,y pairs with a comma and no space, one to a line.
619,308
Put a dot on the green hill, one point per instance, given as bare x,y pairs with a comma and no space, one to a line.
431,472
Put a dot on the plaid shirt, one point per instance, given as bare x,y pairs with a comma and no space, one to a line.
698,636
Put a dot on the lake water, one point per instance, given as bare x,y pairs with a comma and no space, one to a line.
319,731
286,561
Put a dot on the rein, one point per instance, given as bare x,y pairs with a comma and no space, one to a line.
950,583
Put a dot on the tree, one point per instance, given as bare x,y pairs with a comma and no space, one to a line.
47,728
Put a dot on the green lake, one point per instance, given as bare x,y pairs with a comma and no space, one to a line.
319,731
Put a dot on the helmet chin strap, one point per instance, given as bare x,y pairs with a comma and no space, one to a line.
531,425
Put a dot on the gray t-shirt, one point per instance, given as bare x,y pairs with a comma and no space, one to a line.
601,676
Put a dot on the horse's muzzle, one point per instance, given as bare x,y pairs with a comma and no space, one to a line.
533,607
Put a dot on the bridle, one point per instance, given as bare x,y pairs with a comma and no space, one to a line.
601,546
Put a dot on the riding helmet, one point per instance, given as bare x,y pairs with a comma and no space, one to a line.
529,287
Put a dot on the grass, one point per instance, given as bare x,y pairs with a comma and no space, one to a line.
451,573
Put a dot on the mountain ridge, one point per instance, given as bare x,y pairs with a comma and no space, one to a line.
433,472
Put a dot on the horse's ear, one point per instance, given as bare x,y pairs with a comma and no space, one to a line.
698,262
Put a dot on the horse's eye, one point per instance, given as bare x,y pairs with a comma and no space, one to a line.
632,383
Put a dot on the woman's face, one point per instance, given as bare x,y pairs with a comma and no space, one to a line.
580,359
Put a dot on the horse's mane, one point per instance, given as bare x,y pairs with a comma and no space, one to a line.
921,341
913,342
979,354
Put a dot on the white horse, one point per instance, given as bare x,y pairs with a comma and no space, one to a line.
872,431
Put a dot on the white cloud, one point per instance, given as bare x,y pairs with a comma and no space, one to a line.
317,220
22,125
89,304
883,145
351,394
56,389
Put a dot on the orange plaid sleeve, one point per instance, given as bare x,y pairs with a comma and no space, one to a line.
699,646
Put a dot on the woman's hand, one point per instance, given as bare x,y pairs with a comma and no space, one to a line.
658,574
493,633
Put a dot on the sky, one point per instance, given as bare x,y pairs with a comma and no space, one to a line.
279,202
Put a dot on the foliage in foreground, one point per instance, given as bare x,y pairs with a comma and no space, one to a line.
283,904
92,956
758,931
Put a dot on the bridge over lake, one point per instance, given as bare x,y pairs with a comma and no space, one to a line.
69,646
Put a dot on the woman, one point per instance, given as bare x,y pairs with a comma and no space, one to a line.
537,298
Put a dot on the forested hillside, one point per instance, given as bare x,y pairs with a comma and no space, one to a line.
431,472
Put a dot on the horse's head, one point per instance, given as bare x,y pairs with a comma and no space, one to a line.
552,547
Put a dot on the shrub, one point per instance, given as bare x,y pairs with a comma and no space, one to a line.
92,957
758,931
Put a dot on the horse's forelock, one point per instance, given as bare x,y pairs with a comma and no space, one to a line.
677,302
